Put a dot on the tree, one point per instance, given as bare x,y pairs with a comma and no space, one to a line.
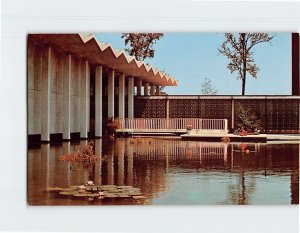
141,44
239,50
207,88
246,119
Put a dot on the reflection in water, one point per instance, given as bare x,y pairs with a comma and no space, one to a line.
172,171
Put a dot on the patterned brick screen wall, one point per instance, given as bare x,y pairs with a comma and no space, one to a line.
216,109
154,108
275,114
283,114
184,108
200,108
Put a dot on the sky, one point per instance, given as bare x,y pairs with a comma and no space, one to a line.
192,57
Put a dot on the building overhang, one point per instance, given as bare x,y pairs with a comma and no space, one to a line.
87,46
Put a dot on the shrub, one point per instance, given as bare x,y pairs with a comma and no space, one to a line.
245,119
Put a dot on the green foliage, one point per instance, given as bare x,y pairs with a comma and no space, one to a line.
141,44
207,88
246,119
238,48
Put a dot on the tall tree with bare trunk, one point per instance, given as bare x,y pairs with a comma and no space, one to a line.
238,48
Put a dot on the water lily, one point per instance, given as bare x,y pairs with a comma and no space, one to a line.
82,187
101,193
90,182
90,199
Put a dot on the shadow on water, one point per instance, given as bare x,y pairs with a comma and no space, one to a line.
171,171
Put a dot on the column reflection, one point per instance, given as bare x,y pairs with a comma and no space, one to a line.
98,164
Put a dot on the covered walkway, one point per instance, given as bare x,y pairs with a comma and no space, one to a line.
75,82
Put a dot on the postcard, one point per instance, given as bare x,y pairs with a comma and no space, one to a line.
163,119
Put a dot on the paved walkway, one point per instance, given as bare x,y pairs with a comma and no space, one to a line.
233,137
287,137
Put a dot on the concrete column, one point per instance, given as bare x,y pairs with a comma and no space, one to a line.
46,77
157,90
67,77
139,87
122,96
85,99
130,97
146,88
98,101
152,89
111,94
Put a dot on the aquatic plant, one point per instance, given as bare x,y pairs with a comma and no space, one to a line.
91,191
189,127
83,157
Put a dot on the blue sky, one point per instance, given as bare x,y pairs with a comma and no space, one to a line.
192,57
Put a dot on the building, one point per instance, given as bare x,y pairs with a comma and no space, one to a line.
75,83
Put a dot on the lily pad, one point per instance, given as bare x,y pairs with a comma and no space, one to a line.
135,189
115,191
92,195
82,191
128,194
124,187
67,190
138,197
66,193
108,186
111,195
92,188
81,195
124,196
104,191
54,189
136,194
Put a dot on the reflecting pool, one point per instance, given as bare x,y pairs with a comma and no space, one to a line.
170,172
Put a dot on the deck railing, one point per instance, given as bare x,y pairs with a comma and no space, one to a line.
171,124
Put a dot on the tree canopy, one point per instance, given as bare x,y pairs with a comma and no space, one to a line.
141,44
238,48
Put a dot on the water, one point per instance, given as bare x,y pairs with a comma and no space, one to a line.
171,171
